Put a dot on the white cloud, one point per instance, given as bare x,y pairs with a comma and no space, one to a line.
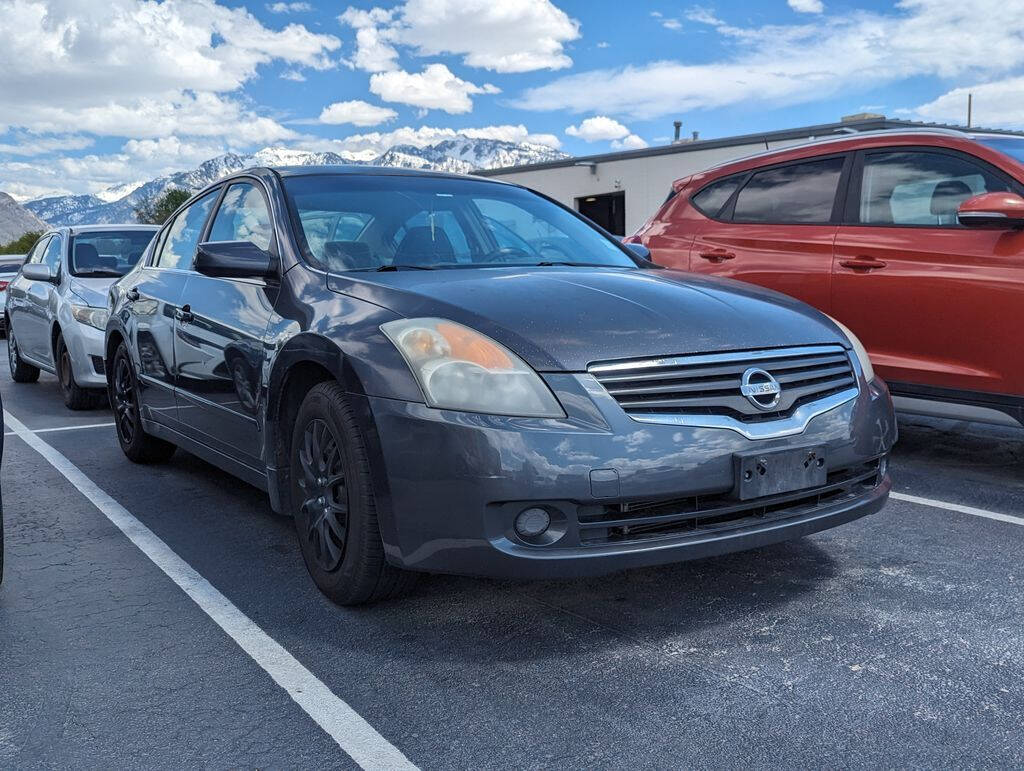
356,112
374,50
792,64
598,129
630,142
505,36
672,24
995,104
288,7
807,6
436,88
31,144
293,75
604,44
119,66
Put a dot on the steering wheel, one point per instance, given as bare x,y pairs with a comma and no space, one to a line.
499,254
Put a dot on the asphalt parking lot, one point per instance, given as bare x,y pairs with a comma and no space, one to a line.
896,640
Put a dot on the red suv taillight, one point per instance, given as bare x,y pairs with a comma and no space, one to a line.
3,285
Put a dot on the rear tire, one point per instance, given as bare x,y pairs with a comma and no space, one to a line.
75,397
21,371
139,446
333,504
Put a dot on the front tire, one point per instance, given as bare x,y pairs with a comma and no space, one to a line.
139,446
75,397
333,504
21,371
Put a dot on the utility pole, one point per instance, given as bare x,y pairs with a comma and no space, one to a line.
970,104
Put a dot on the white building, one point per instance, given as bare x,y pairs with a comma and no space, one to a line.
621,190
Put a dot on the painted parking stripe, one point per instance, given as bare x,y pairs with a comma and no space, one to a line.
61,428
975,512
352,733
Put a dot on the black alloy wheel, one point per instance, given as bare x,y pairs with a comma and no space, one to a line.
136,443
325,503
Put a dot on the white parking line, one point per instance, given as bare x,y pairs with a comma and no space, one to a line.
61,428
352,733
975,512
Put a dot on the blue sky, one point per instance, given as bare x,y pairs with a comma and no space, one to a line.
98,94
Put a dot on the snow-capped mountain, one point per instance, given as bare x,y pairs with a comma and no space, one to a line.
460,155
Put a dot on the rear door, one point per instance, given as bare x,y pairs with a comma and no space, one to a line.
155,294
219,335
936,304
776,229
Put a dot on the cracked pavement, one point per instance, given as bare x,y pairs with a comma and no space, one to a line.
896,640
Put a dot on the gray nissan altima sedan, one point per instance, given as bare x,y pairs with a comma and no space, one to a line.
447,374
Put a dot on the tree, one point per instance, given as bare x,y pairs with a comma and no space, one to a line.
155,211
21,245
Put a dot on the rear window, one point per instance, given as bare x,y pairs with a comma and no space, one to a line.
802,193
107,253
712,198
9,267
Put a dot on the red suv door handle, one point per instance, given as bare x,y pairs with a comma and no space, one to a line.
717,255
862,263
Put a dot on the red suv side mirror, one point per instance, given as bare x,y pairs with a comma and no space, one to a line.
994,211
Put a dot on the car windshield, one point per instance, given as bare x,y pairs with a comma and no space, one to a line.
1012,146
361,222
107,253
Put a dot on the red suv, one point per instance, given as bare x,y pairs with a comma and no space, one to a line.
913,239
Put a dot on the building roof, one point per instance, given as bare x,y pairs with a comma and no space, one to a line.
820,131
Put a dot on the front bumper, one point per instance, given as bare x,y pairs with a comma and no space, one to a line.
449,485
85,346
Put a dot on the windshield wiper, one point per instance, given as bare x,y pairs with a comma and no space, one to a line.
389,268
550,263
103,273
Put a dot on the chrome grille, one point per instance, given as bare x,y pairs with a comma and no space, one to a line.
709,384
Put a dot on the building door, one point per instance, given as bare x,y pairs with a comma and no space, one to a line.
607,210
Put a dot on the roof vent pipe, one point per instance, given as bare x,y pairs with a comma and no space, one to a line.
696,135
678,126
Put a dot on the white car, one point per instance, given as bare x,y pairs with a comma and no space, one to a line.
56,306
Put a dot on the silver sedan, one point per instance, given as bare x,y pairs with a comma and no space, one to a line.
56,307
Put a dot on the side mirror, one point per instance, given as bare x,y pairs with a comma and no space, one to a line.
234,259
993,211
38,271
641,251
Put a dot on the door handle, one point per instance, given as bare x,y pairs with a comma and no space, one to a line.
717,255
862,263
132,294
184,314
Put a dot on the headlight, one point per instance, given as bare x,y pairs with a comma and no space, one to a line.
859,349
94,317
460,369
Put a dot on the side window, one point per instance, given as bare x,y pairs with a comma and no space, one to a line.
243,216
801,193
710,199
36,255
920,188
179,247
53,253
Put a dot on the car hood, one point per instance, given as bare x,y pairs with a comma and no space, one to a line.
564,319
92,291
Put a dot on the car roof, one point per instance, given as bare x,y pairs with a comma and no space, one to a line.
852,138
12,257
72,230
353,170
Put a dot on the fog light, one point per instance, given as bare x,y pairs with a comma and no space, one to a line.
532,522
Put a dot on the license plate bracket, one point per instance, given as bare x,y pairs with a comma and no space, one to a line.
774,472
